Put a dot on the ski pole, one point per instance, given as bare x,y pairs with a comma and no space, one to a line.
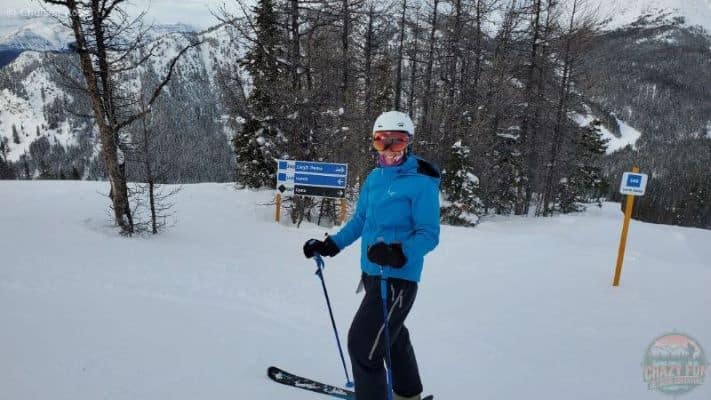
386,330
319,271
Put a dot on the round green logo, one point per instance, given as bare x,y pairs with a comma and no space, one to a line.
674,364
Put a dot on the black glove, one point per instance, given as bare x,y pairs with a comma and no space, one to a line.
387,254
325,248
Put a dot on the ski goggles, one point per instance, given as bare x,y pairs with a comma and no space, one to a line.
392,140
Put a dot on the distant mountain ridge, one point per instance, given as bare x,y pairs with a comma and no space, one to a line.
46,34
38,34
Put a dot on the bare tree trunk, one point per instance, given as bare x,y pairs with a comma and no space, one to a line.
532,159
368,54
413,67
560,113
295,45
102,112
398,77
148,171
345,35
455,53
477,47
526,131
105,49
425,123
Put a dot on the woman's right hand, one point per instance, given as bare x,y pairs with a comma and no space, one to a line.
325,248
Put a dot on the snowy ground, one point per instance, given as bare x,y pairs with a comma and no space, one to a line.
513,309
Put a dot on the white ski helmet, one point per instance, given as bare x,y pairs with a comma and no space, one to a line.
394,121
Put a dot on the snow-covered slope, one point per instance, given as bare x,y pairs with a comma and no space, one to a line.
34,94
628,135
28,114
513,309
624,12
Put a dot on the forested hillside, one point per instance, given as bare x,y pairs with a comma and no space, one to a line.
514,100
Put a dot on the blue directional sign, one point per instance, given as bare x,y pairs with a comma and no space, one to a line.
319,191
309,178
313,167
319,180
322,168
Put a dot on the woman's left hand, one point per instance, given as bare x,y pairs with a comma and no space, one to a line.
387,254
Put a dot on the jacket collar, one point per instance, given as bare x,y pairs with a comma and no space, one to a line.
409,166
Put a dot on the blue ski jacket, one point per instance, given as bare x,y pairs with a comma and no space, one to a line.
398,204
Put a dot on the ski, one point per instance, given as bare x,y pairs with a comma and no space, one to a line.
286,378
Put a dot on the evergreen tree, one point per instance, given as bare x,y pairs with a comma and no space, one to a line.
75,173
25,167
256,162
505,172
462,205
7,171
584,182
3,148
15,135
44,171
255,143
264,63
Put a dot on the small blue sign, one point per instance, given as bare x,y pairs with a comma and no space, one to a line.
634,181
320,180
283,165
322,168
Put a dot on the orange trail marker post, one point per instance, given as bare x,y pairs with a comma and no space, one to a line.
344,210
278,207
633,184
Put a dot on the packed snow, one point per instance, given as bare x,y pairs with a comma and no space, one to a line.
514,308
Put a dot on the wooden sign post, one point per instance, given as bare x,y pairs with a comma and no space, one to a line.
633,184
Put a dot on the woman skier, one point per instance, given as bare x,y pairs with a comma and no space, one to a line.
397,219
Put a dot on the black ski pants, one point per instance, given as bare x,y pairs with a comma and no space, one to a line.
366,341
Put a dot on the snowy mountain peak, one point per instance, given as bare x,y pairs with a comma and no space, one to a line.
39,34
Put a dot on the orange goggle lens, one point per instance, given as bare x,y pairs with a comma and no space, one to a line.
393,140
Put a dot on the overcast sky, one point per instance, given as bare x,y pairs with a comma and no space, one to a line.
191,12
197,12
